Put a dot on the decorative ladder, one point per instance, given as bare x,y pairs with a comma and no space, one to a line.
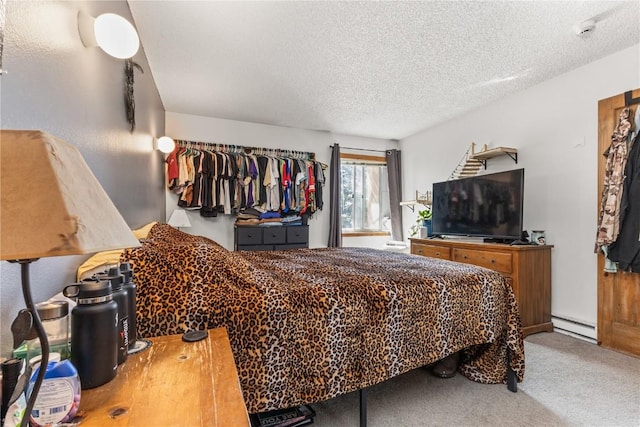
472,161
468,166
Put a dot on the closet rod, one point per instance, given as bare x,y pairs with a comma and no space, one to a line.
247,149
629,100
363,149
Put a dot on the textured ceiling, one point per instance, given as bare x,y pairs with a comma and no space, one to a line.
378,69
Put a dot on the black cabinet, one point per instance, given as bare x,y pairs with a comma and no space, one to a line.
255,238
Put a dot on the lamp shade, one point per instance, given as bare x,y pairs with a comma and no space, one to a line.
166,144
114,34
179,218
51,204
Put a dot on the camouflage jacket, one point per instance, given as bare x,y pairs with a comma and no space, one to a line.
609,216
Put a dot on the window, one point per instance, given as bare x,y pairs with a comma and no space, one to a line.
365,194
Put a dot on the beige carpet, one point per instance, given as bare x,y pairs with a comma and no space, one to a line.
568,382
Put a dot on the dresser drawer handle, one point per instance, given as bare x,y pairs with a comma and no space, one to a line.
419,251
273,235
493,261
437,253
464,257
249,235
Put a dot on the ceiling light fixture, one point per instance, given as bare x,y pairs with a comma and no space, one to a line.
112,33
585,27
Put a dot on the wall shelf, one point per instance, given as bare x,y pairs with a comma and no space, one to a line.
423,199
483,156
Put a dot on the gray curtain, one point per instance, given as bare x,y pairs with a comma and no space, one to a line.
394,172
335,188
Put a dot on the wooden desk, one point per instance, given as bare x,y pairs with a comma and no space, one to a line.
173,383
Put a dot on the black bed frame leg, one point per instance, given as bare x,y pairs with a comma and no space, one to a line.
363,407
512,380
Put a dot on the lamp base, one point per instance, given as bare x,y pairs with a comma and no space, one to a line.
85,28
42,337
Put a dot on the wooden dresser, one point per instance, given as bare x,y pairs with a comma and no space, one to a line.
527,268
173,383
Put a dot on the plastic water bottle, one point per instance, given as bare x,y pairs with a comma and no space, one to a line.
59,395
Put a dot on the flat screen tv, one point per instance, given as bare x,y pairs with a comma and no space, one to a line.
489,206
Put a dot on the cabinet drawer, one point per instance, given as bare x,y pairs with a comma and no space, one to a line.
249,236
498,261
431,251
254,248
297,234
273,235
291,246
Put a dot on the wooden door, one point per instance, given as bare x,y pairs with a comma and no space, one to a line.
618,293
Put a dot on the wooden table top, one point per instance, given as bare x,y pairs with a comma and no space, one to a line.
172,383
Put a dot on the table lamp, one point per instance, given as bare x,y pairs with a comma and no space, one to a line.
179,219
51,204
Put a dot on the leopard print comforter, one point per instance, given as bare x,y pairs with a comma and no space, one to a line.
310,324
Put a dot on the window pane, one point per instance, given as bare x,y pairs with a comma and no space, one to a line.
358,197
371,192
346,197
385,211
364,197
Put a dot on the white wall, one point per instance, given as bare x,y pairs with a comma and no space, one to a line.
208,129
57,85
376,242
554,126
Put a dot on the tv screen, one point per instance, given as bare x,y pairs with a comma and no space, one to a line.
488,205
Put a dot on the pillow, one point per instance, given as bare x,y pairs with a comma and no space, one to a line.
142,232
99,262
104,260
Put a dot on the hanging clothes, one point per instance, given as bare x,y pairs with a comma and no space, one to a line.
274,188
286,186
196,201
626,249
239,199
312,187
231,180
208,185
262,171
226,188
319,177
612,191
172,168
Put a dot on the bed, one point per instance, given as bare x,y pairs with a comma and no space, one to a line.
307,325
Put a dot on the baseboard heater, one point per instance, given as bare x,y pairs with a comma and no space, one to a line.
575,327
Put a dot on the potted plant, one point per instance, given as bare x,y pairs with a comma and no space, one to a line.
423,220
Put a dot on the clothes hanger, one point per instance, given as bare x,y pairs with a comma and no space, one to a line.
630,100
